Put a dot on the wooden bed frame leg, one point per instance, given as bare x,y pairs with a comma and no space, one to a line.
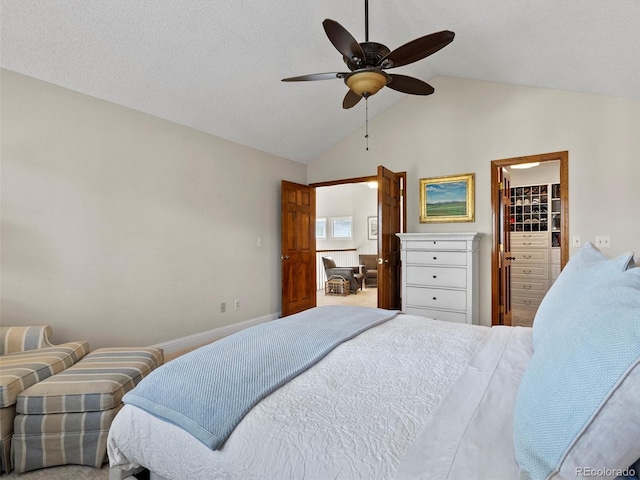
117,474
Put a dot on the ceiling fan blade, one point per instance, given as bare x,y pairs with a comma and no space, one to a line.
417,49
413,86
343,41
316,76
351,99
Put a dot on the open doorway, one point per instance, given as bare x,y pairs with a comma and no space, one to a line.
391,217
346,232
298,254
530,211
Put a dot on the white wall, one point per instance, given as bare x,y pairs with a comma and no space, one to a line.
124,229
466,124
546,172
354,200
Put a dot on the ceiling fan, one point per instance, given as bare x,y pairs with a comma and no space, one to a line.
368,61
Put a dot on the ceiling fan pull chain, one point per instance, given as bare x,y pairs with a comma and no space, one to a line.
366,121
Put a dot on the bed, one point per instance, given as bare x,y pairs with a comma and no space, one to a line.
412,397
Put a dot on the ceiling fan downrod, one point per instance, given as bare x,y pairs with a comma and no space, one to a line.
366,20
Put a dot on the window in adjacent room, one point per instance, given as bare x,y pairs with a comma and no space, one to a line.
321,228
341,227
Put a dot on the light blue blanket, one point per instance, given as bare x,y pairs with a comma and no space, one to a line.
208,391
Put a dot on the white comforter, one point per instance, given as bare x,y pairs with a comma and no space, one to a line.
353,415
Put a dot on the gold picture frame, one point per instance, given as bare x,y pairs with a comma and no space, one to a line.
447,199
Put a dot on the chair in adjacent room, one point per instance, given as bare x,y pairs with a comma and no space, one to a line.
354,275
370,262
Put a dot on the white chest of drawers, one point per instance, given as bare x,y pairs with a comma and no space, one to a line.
440,275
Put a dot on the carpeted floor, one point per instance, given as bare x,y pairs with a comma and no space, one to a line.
364,298
522,317
69,472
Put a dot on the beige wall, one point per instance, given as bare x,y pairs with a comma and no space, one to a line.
467,123
121,228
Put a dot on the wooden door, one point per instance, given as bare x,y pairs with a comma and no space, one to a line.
298,248
390,221
505,256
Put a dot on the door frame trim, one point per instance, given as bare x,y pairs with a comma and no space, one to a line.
563,157
344,181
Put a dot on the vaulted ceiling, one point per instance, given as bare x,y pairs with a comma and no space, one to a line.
216,65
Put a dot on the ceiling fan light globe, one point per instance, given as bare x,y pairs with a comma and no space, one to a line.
366,83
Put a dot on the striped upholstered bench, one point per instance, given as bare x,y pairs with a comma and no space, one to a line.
66,418
27,357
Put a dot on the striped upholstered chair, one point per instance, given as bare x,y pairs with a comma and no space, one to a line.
27,357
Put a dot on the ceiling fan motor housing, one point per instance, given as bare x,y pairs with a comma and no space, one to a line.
373,51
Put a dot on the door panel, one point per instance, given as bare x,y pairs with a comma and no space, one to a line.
298,248
390,222
505,247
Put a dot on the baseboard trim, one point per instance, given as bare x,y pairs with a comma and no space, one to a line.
198,339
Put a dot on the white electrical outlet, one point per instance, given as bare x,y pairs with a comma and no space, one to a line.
223,307
603,241
237,304
577,241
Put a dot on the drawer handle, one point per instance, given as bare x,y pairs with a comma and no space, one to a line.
526,272
434,298
526,256
435,276
527,302
435,242
526,243
435,258
527,287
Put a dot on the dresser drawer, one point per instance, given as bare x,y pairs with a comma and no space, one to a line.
437,276
455,317
537,294
530,256
540,272
437,245
437,298
437,258
525,240
525,286
525,301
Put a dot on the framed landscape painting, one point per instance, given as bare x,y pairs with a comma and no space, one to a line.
447,199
